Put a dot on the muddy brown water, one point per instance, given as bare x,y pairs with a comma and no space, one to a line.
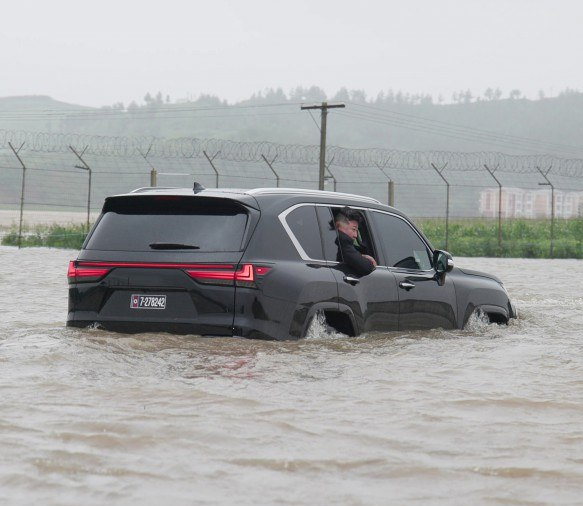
485,416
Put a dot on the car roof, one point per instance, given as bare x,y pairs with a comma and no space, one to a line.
253,192
256,198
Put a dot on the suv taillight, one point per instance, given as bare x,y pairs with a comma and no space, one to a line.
86,271
213,274
247,275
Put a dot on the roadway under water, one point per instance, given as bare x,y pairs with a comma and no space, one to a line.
486,416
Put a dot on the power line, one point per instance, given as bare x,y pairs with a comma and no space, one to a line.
436,127
435,131
361,112
164,111
324,113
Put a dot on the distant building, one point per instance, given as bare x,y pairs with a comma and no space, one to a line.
524,203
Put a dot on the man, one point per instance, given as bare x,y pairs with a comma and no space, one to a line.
346,222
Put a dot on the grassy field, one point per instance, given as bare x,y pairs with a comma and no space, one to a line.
466,237
49,236
519,238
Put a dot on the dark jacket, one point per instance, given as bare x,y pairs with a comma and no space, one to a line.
348,254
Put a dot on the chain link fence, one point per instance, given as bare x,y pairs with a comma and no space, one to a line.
52,178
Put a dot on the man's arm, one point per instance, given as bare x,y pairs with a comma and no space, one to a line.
360,264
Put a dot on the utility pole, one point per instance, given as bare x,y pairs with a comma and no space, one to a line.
324,113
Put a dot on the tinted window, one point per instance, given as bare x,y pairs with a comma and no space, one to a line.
304,226
401,244
133,224
328,232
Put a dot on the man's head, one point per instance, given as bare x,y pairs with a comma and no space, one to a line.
347,221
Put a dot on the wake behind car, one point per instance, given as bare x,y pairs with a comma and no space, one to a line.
261,263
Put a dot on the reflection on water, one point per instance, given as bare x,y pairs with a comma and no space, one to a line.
480,416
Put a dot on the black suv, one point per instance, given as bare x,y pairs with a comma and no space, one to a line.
261,264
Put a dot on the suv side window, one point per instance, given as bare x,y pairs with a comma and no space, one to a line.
303,224
401,244
329,234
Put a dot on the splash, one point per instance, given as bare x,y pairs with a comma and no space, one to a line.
477,322
319,328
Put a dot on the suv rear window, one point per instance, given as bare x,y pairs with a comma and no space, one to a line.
135,223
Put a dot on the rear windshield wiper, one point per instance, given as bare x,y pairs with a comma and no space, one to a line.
172,245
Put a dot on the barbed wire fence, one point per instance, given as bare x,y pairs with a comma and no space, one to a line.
55,177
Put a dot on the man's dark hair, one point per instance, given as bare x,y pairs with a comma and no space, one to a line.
347,214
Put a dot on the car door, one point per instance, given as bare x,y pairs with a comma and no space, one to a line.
424,303
372,299
306,286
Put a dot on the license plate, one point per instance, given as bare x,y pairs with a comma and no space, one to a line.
138,301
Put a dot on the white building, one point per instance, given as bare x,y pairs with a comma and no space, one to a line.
525,203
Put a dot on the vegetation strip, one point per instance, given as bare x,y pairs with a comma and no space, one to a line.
466,237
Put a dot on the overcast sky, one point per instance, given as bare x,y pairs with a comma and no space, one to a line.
107,51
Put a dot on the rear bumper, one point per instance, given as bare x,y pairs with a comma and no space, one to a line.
136,327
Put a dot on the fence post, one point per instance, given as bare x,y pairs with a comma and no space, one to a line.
390,183
88,169
16,151
153,173
331,175
499,207
270,165
440,172
210,160
548,183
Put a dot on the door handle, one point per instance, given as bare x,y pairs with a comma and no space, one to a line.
351,280
407,285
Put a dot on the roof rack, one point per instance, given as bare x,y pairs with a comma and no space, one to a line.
303,191
265,191
154,188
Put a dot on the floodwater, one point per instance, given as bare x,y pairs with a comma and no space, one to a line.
486,416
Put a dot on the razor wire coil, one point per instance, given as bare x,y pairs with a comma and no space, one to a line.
248,151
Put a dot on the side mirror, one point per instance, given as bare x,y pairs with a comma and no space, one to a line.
442,263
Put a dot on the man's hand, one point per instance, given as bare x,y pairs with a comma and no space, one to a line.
370,259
